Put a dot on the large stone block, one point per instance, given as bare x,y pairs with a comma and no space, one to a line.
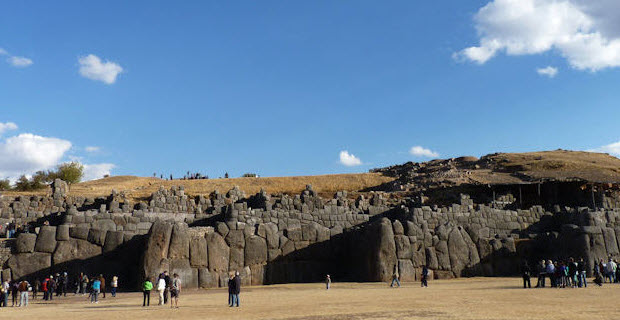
235,239
207,279
97,236
179,242
79,233
156,250
406,270
218,252
113,239
46,241
255,250
403,247
187,274
26,264
198,254
258,274
62,232
236,260
25,242
75,249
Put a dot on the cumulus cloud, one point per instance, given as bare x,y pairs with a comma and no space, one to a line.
420,151
93,68
585,32
27,153
613,148
97,171
92,149
19,62
349,159
549,71
7,126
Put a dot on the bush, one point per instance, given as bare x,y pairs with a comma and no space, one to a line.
23,184
70,172
5,185
249,175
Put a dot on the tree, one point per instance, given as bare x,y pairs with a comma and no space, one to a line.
70,172
5,184
23,184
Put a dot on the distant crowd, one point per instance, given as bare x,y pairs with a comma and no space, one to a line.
570,273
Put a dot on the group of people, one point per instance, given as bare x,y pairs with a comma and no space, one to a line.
396,278
569,273
54,285
166,286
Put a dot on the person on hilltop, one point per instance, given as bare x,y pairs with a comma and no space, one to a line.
114,286
526,275
147,286
175,290
161,288
424,277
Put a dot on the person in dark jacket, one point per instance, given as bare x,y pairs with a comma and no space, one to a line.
424,278
231,289
526,272
236,288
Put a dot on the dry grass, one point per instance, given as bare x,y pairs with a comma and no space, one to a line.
477,298
140,187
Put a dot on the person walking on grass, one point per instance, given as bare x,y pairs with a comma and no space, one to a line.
328,282
175,290
395,279
161,288
147,286
114,286
424,277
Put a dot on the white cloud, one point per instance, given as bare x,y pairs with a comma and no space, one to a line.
613,148
549,71
7,126
420,151
27,153
585,32
19,62
97,171
92,149
93,68
348,159
3,52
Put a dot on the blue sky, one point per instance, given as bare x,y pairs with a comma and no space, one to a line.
283,88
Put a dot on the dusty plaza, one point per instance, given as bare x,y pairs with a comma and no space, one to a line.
464,298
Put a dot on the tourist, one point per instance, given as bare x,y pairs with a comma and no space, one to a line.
237,288
611,270
44,288
168,284
617,275
84,284
175,290
161,287
51,287
542,271
14,291
96,288
550,271
114,286
5,287
65,283
102,281
525,272
395,279
328,282
36,288
598,276
581,269
424,277
59,285
146,292
23,293
231,289
572,272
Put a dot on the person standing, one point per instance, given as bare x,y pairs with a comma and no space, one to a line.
114,286
36,288
44,288
96,287
424,278
542,271
14,291
611,270
4,293
231,289
237,288
146,291
525,272
51,287
23,292
168,284
395,279
102,281
328,282
175,290
550,270
65,283
581,269
84,284
161,288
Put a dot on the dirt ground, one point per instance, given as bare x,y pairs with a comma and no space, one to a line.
475,298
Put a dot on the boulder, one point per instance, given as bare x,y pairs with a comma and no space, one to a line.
258,274
235,239
179,242
403,247
62,232
406,270
431,258
236,261
609,235
187,274
156,250
222,228
97,236
79,233
25,242
26,264
75,249
46,241
198,255
443,257
271,235
113,239
207,279
255,250
218,252
384,252
398,228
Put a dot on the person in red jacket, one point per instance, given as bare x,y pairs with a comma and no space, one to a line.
44,289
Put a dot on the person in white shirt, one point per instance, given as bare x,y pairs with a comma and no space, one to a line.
161,287
611,270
